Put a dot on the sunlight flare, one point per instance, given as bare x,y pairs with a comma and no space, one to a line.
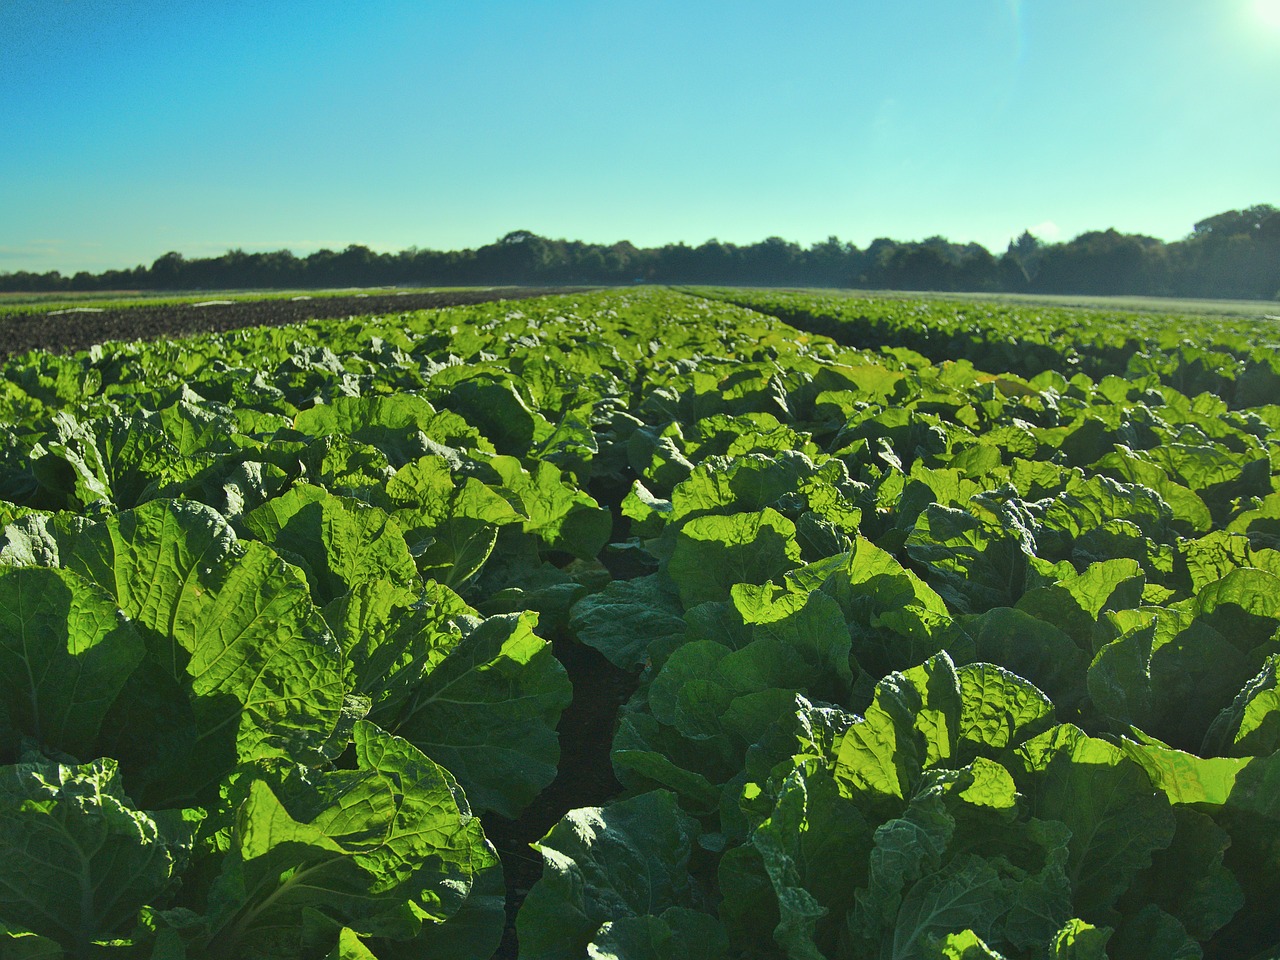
1268,11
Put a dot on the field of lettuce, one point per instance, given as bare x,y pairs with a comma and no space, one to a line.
948,632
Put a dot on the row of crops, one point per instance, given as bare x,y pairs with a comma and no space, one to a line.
931,662
1235,358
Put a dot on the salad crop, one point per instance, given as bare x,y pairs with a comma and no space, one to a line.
942,648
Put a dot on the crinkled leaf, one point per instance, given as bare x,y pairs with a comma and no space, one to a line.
564,517
676,934
713,553
79,859
1117,821
602,864
999,709
913,723
384,849
342,542
813,847
66,653
230,626
488,712
403,426
624,618
975,560
1029,647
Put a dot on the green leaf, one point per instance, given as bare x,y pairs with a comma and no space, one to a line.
20,944
482,698
1074,605
1030,647
391,637
350,947
740,484
1188,509
498,411
1087,505
1250,725
488,710
976,557
564,517
69,465
79,859
27,540
676,934
66,653
342,542
965,945
1166,673
647,513
383,849
605,864
1151,934
451,523
624,618
999,709
474,932
967,891
812,847
1244,606
347,468
1243,797
403,426
648,755
713,553
913,723
231,635
1188,880
870,583
428,491
1116,820
1078,940
1212,557
811,629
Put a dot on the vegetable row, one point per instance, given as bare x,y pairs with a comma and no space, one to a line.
932,662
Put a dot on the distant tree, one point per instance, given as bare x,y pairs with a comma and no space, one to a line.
1269,229
829,263
978,269
1026,246
1102,262
1231,254
1247,222
166,272
772,260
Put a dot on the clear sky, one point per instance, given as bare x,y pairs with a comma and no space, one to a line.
129,128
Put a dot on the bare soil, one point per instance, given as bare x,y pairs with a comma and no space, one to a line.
67,332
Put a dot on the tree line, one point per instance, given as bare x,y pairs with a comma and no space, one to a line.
1235,255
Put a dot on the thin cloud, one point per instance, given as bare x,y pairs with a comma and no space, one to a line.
1048,230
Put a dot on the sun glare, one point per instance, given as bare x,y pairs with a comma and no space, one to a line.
1268,11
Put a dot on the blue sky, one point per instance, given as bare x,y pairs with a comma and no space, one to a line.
133,128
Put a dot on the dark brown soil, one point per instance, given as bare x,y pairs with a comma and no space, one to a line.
68,332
